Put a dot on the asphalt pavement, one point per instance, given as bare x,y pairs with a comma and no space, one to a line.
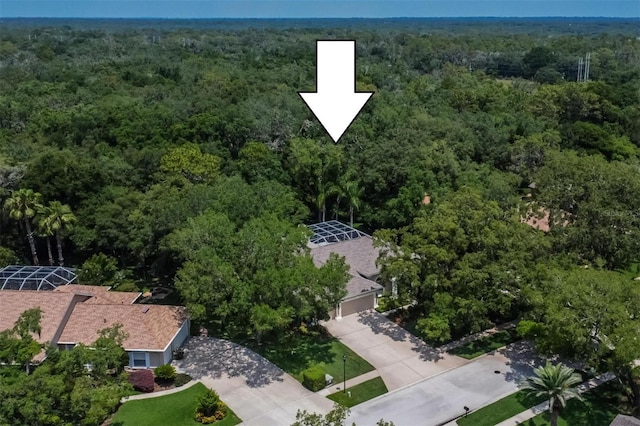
442,398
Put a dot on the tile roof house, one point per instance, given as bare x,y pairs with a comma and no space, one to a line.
74,314
360,255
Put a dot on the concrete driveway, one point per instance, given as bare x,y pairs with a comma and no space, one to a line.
260,393
442,398
400,358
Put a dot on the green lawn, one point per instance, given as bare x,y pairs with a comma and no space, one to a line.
360,393
501,410
487,344
314,349
176,409
598,409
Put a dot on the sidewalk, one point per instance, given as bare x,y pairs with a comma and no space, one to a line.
541,408
335,387
159,393
472,338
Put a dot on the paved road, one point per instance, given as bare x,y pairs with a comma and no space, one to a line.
400,358
260,393
441,398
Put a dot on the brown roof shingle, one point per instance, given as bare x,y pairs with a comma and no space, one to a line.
101,294
55,308
359,254
149,327
621,420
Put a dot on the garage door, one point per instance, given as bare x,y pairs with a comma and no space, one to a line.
357,305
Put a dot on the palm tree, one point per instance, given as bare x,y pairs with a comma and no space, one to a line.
321,200
338,191
60,219
44,229
556,383
353,193
22,206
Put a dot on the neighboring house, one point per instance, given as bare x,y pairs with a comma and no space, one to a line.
360,255
622,420
73,314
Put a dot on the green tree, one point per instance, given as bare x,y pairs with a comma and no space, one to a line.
190,163
99,269
22,206
335,417
58,219
593,206
592,315
538,57
556,383
259,279
17,345
464,260
44,230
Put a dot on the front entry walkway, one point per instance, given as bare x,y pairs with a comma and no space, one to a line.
401,358
260,393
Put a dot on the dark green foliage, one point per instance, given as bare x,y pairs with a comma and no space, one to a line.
209,408
61,390
193,164
99,269
166,372
313,379
486,344
181,379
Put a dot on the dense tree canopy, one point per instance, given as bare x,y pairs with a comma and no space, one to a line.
188,160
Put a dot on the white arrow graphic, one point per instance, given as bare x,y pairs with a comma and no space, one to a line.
335,103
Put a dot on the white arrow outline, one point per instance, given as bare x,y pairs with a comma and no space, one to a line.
334,103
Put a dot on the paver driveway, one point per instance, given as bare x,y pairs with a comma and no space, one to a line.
401,358
259,392
443,397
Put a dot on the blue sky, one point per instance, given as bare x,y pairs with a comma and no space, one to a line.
315,8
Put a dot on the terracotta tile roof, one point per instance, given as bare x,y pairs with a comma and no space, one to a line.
538,221
148,327
101,294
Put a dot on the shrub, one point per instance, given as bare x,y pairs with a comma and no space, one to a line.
165,372
181,379
142,380
127,285
210,408
313,379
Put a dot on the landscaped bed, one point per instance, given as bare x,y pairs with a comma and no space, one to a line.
176,409
501,410
360,393
486,344
314,349
598,408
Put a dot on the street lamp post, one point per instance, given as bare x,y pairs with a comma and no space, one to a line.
344,373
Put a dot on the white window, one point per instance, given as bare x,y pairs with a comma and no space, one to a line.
139,359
